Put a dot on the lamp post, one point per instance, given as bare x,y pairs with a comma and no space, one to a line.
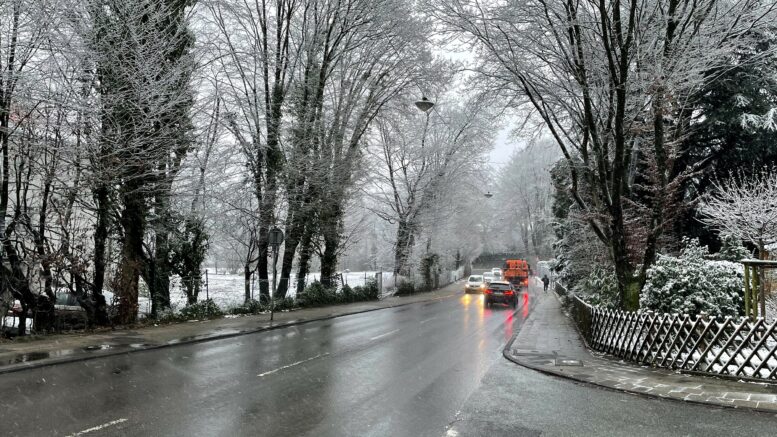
424,105
275,238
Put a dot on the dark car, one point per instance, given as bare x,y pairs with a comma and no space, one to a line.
500,292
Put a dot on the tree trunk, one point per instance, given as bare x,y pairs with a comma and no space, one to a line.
160,285
402,247
305,254
628,284
133,222
247,282
100,236
262,264
329,260
294,231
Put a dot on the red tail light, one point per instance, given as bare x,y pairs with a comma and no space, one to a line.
489,291
509,292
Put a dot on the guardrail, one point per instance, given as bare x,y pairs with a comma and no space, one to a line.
721,347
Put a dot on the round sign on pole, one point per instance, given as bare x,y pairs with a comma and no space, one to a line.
275,237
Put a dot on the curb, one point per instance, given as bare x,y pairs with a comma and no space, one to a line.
506,354
31,365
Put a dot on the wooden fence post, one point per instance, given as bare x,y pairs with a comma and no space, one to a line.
747,291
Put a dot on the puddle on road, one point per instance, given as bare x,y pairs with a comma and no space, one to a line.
98,347
35,356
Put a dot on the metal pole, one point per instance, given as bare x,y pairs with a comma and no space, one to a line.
274,274
207,296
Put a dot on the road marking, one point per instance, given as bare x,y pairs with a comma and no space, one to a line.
99,427
383,335
291,365
424,321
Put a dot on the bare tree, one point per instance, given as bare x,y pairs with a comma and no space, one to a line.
745,208
424,165
257,48
613,82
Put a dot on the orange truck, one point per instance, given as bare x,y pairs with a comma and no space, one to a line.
517,272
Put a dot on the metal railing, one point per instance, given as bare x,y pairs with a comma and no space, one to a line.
723,347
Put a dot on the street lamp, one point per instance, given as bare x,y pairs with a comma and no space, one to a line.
424,104
275,238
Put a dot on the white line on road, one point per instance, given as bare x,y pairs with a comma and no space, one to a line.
98,427
383,335
426,320
292,365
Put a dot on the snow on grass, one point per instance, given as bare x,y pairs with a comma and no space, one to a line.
228,291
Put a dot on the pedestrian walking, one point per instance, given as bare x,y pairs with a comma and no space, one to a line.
545,282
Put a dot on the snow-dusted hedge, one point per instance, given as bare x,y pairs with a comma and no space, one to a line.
691,283
599,288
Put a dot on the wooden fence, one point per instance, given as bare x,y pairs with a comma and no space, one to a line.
730,347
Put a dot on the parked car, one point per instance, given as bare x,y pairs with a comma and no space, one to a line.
500,292
474,284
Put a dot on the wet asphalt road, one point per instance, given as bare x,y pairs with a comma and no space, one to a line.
427,369
402,371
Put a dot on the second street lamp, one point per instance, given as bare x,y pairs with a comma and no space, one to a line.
424,104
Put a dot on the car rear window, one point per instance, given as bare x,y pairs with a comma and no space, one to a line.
475,278
500,287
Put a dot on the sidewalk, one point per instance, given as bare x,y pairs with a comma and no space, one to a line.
549,342
42,351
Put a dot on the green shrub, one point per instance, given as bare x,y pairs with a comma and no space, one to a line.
316,294
405,288
370,291
200,310
600,287
691,283
253,306
349,294
283,304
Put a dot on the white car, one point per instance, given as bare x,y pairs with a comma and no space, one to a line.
488,277
475,284
497,271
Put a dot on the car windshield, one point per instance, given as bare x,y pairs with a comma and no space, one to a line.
475,279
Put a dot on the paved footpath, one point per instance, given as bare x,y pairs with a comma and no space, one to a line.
37,351
550,343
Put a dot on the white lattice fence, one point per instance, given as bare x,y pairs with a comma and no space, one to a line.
737,348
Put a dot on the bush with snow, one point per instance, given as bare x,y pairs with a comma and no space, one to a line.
599,288
691,283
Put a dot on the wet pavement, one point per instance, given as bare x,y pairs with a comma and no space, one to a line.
513,400
31,351
431,368
550,343
401,371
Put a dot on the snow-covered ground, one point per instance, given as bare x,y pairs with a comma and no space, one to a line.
228,291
